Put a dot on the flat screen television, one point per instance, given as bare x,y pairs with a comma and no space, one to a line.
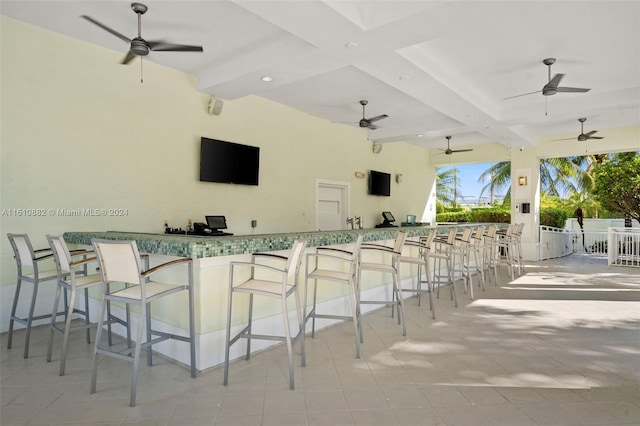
228,162
379,183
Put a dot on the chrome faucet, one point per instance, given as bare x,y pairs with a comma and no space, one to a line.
358,222
350,222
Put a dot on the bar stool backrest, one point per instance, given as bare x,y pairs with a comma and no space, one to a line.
294,260
451,238
60,254
119,261
397,247
491,231
466,234
22,249
356,248
428,240
479,232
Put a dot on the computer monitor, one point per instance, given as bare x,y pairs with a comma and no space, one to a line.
388,217
216,222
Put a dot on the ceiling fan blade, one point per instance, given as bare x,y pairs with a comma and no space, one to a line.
593,132
565,139
461,150
372,127
554,81
596,137
524,94
128,58
161,46
571,89
376,118
104,27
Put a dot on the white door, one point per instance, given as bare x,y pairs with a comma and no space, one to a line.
332,205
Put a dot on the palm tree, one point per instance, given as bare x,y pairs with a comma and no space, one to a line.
447,185
558,176
499,176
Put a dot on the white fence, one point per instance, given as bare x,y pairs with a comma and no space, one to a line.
624,246
555,242
590,241
620,245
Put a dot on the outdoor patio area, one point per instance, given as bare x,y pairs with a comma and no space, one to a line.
559,345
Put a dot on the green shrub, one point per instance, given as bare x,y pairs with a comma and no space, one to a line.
491,215
553,217
454,209
453,217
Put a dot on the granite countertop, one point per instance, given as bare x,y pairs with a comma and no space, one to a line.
209,246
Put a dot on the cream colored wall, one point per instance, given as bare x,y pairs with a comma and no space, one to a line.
80,131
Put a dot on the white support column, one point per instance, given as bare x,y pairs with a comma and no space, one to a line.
429,213
525,200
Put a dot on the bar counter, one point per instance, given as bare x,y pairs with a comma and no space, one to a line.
211,256
195,246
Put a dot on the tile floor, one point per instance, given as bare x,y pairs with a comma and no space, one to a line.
557,346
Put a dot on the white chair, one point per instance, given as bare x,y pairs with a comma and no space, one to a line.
421,260
442,249
517,235
507,249
462,252
390,267
477,255
342,269
260,283
120,262
71,280
28,263
490,253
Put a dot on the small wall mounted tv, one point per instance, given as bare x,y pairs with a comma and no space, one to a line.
228,162
379,183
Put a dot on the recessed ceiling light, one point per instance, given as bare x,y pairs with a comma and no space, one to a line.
419,135
352,45
266,78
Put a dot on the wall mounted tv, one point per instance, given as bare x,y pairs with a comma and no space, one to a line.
379,183
228,162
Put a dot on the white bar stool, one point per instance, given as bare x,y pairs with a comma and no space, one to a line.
255,285
121,262
389,268
346,266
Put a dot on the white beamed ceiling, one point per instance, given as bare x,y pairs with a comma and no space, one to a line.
436,68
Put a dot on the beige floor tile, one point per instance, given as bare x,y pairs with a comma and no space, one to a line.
514,356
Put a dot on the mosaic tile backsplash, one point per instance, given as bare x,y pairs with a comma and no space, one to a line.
198,247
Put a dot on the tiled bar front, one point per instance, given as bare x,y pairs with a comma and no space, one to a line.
212,256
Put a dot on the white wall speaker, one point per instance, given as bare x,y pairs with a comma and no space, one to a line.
215,106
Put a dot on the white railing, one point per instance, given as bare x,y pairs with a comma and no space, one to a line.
620,245
590,241
624,246
555,242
